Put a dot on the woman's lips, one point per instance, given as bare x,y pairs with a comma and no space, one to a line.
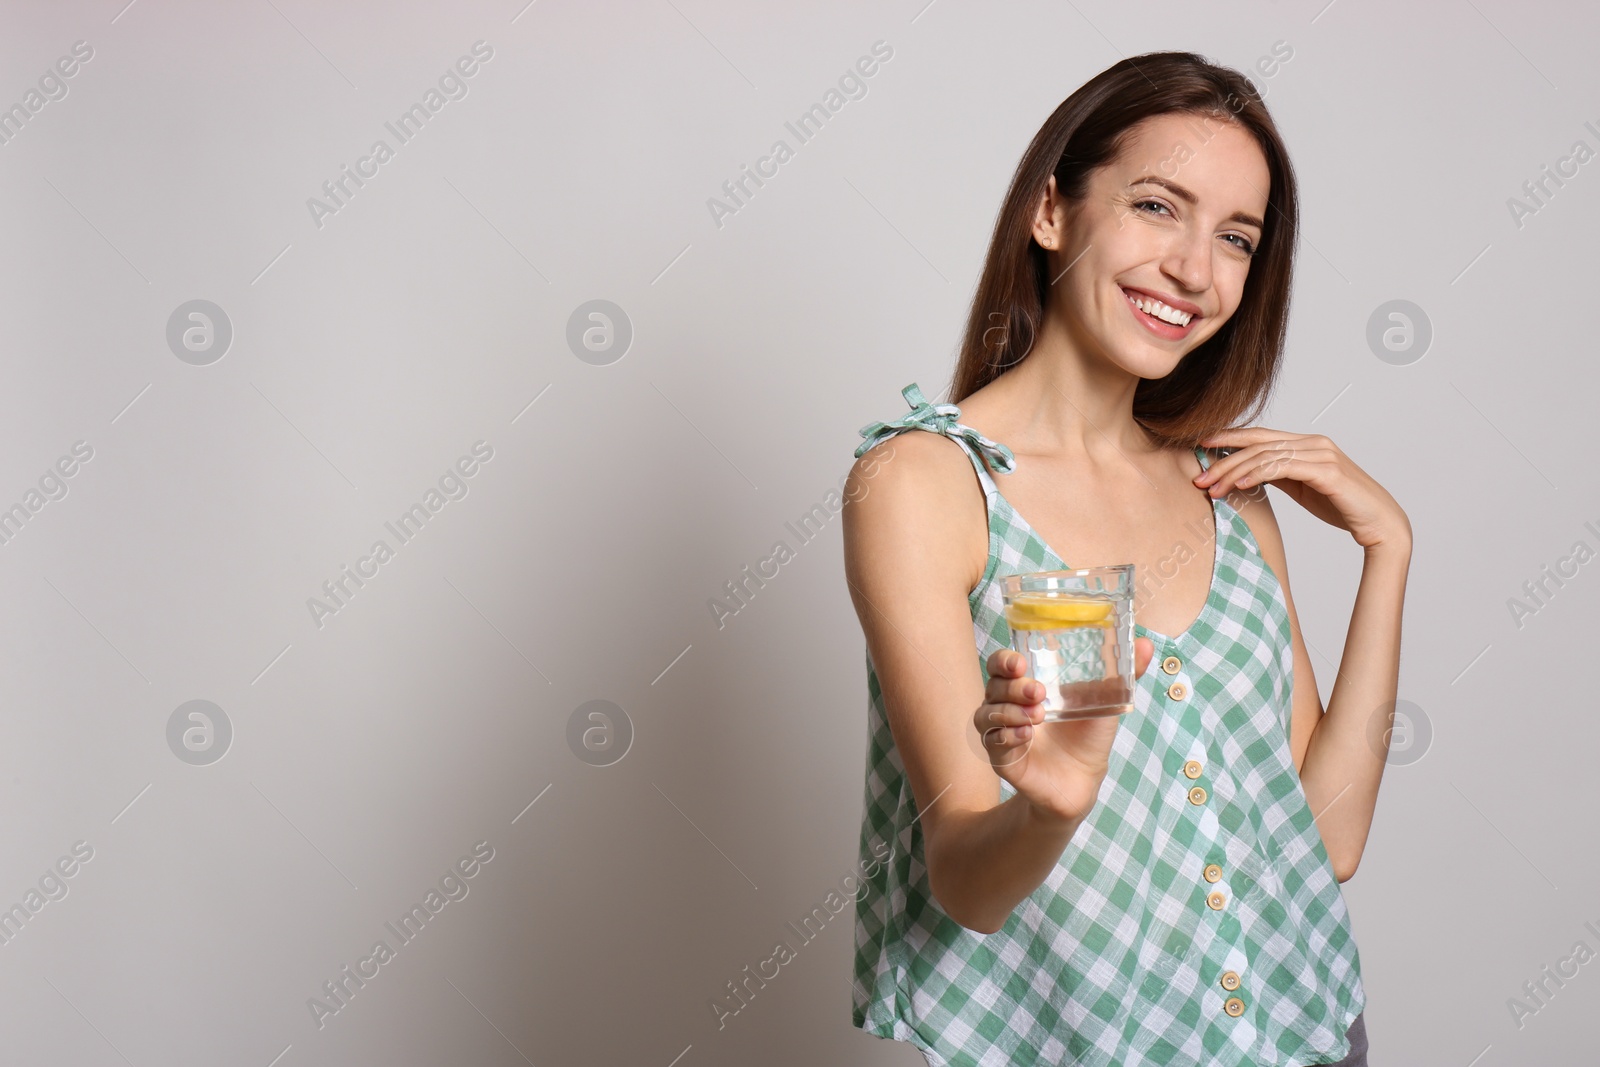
1165,330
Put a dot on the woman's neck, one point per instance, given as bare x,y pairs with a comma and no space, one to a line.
1057,401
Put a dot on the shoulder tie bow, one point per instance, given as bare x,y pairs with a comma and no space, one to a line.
940,418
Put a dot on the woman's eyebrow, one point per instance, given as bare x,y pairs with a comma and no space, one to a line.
1185,195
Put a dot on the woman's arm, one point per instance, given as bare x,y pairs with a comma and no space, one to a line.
1341,753
915,526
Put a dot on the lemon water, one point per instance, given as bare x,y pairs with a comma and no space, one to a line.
1073,648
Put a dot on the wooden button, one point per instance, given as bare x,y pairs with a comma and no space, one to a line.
1197,795
1215,901
1177,690
1172,665
1234,1007
1213,873
1230,980
1192,769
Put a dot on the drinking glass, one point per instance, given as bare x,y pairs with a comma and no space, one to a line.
1075,629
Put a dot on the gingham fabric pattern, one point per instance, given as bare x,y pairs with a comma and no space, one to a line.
1118,959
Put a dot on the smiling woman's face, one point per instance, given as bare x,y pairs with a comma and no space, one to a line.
1173,218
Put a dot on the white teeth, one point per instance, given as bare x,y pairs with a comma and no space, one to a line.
1160,310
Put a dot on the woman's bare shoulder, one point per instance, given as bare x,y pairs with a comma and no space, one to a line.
919,489
916,464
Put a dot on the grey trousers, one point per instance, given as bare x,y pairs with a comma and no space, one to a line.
1358,1045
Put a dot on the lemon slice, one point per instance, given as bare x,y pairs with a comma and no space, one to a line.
1056,613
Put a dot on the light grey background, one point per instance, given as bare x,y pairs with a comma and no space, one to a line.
431,312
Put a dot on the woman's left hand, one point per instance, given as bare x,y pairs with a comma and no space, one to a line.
1311,470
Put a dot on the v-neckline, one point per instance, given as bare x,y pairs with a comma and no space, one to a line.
1212,594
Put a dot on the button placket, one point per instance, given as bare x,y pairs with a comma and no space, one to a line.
1230,983
1178,688
1193,768
1217,897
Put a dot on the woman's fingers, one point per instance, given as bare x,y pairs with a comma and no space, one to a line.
1017,730
1006,726
1008,683
1005,663
1000,739
1022,690
1008,714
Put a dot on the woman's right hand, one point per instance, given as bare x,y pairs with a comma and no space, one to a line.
1056,766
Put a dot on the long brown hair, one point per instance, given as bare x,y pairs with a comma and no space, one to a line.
1228,378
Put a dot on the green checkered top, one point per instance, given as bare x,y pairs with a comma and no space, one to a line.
1134,950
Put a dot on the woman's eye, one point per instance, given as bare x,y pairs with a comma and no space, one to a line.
1153,207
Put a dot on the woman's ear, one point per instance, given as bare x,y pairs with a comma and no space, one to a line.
1048,217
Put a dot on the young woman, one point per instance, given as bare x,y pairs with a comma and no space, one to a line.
1160,887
